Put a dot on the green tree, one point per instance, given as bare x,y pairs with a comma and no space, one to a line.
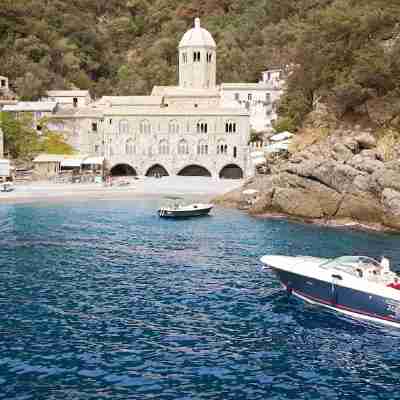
20,139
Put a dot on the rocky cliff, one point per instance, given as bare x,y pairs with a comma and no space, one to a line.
341,178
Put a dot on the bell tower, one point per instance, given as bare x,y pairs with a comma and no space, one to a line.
197,59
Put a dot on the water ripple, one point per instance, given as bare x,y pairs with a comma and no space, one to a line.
107,301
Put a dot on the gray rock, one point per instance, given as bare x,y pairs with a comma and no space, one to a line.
361,183
386,178
391,204
341,152
328,198
360,208
366,164
335,175
373,154
296,202
391,201
331,173
366,140
263,202
394,165
304,168
352,145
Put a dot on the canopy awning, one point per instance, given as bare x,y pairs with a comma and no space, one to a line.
72,162
48,158
277,147
256,154
258,160
281,136
250,191
93,161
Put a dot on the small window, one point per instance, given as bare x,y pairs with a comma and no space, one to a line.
268,97
94,127
230,127
145,127
237,96
183,147
110,121
96,148
173,127
249,97
202,148
123,126
75,102
3,83
202,127
163,147
234,152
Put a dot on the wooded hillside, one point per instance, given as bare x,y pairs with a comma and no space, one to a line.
344,50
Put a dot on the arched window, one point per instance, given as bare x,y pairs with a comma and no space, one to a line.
123,126
230,127
196,56
163,147
222,147
209,57
183,147
145,127
201,127
129,147
202,147
173,126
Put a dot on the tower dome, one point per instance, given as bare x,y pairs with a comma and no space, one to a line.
197,37
197,58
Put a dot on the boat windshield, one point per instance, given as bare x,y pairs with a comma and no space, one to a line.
349,263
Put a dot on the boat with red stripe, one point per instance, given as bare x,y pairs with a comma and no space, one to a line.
357,286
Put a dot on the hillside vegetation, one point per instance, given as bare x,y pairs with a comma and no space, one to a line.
344,52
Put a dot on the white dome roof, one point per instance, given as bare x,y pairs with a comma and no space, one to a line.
197,37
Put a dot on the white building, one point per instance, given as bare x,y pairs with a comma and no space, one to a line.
4,87
37,109
69,98
259,99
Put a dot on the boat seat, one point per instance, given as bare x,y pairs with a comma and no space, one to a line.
394,285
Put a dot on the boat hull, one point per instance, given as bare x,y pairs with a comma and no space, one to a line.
165,213
349,301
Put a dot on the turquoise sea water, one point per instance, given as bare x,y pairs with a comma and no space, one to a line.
107,301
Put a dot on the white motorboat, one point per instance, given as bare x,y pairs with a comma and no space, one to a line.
179,210
6,187
359,287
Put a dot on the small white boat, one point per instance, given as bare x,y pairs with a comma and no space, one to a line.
6,187
179,210
359,287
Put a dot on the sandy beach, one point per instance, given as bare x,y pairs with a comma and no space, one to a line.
201,188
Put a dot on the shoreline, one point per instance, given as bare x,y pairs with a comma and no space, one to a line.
196,188
345,223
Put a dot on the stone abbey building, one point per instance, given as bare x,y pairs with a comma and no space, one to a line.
177,130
